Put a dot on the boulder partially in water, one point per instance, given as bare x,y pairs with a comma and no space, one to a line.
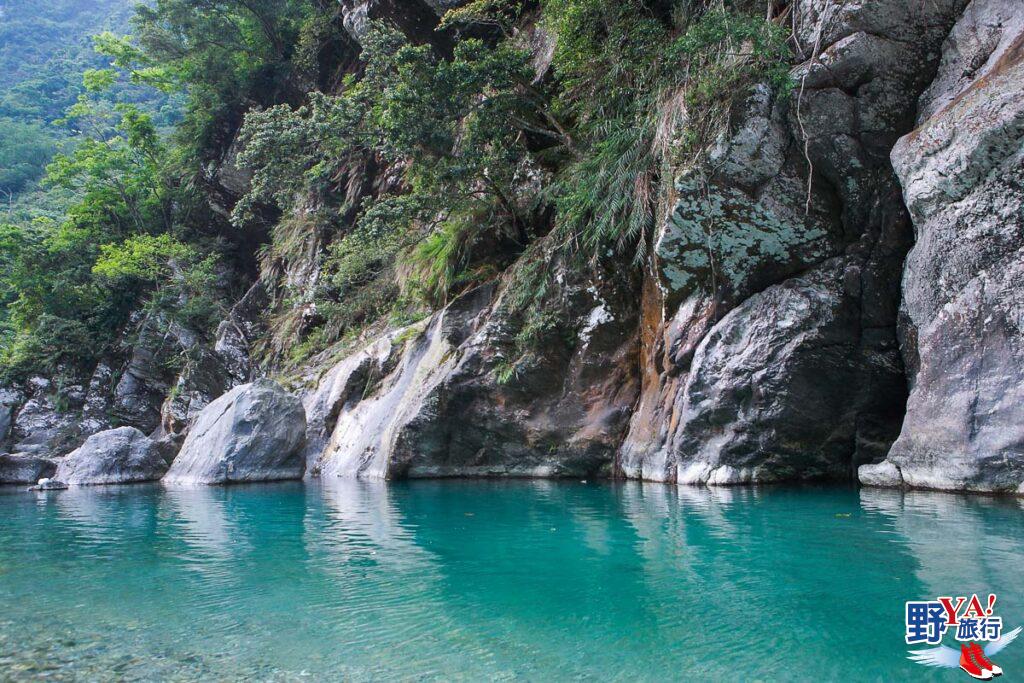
783,387
24,468
254,432
115,456
769,332
880,474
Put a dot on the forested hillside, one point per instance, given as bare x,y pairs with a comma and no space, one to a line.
45,48
486,171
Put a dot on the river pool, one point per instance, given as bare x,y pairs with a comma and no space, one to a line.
474,580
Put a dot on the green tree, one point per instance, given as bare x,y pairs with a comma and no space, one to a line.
62,280
25,149
225,52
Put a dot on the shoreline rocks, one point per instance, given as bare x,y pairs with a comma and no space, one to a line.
47,484
962,172
252,433
116,456
25,468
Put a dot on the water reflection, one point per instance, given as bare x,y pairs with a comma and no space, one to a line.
533,580
199,517
960,544
361,520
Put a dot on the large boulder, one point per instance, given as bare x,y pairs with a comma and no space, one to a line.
116,456
254,432
24,468
962,171
780,389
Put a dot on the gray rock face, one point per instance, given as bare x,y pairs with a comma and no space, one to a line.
48,419
24,468
116,456
144,383
213,372
415,18
963,176
769,336
341,387
880,474
780,386
254,432
41,425
9,401
432,402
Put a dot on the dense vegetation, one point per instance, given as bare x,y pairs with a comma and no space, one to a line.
411,174
44,50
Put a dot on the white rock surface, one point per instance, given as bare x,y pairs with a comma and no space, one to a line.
254,432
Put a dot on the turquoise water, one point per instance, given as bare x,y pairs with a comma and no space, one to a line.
490,580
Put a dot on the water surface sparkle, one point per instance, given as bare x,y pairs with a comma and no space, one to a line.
474,580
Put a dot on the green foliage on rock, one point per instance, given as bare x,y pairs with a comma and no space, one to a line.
422,169
71,285
223,51
647,95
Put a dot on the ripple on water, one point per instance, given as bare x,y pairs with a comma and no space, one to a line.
486,580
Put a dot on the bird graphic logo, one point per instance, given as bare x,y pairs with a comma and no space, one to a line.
972,658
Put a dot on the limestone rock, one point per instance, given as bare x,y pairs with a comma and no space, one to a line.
9,401
883,474
214,371
47,484
775,277
415,18
141,388
780,388
24,468
450,401
963,176
254,432
41,425
116,456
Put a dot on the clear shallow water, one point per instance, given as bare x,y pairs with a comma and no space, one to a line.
489,580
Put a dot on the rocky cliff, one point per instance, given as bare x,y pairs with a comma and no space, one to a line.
831,288
962,178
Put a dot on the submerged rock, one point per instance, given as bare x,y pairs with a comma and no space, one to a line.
24,468
116,456
254,432
963,176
